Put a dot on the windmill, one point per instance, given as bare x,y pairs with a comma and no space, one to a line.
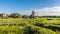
33,14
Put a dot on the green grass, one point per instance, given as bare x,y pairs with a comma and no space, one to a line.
29,26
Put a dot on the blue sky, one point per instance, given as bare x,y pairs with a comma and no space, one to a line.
10,6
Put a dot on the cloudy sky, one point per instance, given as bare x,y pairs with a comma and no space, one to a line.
41,7
51,11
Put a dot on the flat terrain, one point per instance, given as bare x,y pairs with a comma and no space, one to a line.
30,26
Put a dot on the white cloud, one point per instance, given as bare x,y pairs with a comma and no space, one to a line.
53,11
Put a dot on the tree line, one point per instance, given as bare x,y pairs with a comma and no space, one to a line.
18,15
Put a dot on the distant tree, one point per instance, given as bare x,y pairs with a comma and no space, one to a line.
25,16
15,15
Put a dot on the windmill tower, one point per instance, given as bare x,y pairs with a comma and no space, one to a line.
32,15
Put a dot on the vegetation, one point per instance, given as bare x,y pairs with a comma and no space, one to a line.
29,26
15,15
24,24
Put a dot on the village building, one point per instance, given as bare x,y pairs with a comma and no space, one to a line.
4,15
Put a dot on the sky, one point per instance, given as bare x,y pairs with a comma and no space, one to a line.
41,7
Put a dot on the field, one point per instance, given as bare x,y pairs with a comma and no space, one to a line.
30,26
